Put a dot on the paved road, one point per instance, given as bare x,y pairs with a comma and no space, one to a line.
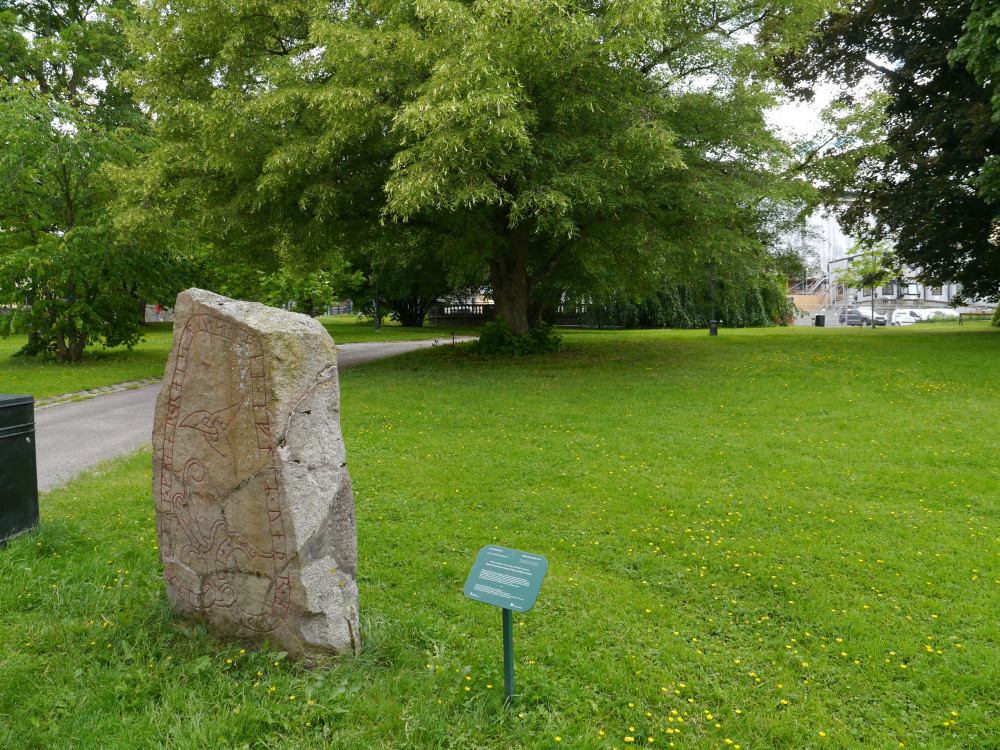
74,436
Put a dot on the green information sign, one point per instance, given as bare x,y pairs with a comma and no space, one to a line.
506,578
509,579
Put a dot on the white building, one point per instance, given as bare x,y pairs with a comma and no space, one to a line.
819,243
829,251
903,292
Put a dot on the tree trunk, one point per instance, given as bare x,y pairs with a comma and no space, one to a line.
509,276
77,343
536,313
542,307
70,348
411,311
62,351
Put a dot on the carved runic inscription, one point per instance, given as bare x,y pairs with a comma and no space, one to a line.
218,459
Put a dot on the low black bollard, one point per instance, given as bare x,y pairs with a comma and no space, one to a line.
18,478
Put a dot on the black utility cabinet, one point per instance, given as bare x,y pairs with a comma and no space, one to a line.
18,480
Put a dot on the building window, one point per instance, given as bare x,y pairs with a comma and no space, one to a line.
913,289
937,291
887,290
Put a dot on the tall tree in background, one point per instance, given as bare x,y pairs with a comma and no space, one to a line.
69,277
546,146
906,161
979,49
407,277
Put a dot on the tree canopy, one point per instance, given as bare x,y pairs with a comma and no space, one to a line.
979,49
905,162
70,278
541,146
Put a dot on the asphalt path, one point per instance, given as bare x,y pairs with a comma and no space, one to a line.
77,435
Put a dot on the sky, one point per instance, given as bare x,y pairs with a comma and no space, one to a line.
801,119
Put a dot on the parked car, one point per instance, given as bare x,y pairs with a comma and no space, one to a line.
849,316
852,316
904,317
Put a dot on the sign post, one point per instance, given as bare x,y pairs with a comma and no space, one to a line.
508,654
509,579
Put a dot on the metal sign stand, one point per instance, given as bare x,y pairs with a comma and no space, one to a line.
509,579
508,655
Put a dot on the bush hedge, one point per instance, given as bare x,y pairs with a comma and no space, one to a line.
497,339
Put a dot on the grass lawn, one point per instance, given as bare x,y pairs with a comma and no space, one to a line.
770,539
43,378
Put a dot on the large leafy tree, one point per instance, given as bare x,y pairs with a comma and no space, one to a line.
406,278
979,49
542,146
69,277
906,161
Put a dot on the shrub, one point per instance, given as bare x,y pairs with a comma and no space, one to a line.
498,340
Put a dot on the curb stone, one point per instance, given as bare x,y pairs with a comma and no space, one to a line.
81,395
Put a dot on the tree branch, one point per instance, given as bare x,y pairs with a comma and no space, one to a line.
890,73
812,155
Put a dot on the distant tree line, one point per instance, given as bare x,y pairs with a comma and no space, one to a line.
540,151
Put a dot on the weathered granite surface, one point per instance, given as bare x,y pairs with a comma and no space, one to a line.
254,506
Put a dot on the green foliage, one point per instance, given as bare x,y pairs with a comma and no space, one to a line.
497,339
535,146
874,266
71,52
73,291
979,49
69,276
740,302
408,276
916,160
995,320
311,291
